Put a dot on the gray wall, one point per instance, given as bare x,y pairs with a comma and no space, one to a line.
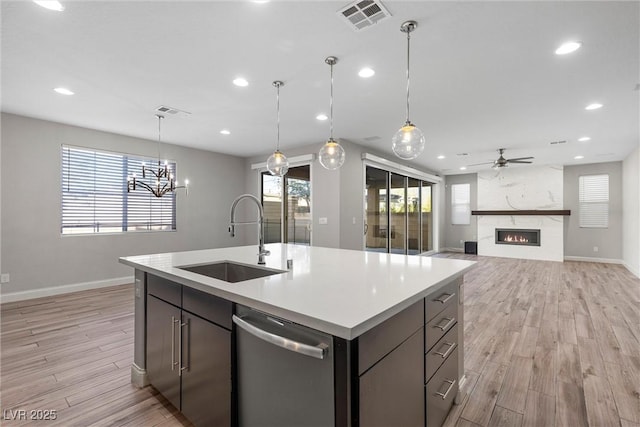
453,234
580,242
631,212
36,254
336,195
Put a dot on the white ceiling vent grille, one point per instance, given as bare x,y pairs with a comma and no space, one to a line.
363,14
163,109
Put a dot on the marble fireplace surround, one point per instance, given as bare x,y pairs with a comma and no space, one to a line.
523,197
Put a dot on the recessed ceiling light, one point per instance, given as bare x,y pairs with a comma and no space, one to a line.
240,82
366,72
584,138
568,47
260,1
51,5
463,168
225,132
63,91
593,106
322,117
440,157
579,157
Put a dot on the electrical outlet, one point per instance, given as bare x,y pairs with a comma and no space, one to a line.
322,221
595,249
4,278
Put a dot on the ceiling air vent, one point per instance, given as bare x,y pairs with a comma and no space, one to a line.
363,14
558,142
170,110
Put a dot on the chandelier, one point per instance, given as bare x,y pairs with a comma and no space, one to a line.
162,180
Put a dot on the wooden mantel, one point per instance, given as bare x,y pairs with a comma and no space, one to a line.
524,212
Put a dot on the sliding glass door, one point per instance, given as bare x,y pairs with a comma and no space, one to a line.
398,215
290,195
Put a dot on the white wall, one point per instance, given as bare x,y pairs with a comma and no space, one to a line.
631,212
38,257
521,188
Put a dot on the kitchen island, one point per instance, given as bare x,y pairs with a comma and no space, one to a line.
393,325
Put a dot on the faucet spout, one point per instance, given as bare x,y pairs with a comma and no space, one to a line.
262,252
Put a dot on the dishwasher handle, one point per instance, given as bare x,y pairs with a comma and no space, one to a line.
318,351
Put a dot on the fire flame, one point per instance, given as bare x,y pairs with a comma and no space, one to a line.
515,238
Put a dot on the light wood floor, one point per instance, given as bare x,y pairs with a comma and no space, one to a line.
547,344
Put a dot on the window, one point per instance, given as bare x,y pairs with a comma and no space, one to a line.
95,197
461,204
594,201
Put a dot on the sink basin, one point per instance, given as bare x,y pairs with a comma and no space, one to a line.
230,271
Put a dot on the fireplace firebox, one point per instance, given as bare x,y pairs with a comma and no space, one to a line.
524,237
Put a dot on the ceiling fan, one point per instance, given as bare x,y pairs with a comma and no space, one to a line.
503,163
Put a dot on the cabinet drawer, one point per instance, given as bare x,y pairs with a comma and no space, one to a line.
164,289
440,325
437,301
374,344
209,307
441,390
440,352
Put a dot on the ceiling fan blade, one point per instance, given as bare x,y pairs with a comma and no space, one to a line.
479,164
518,161
520,158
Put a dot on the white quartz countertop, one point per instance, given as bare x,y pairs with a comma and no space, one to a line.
341,292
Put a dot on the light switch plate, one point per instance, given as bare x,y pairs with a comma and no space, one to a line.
322,221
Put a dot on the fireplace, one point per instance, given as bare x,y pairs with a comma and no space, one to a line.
524,237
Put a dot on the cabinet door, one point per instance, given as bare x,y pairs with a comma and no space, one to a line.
162,350
206,375
392,391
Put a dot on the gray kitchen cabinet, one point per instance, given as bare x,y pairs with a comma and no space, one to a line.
391,392
189,357
161,348
206,381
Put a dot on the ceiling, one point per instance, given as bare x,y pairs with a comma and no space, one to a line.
483,75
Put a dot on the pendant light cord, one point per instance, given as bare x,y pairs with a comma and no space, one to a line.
160,117
331,105
278,116
408,55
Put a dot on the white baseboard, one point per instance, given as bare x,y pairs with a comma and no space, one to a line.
64,289
633,271
590,259
139,376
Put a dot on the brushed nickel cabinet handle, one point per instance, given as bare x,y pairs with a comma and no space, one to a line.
451,384
182,368
444,298
173,342
450,321
444,355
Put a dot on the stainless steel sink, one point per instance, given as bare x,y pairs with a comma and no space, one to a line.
230,271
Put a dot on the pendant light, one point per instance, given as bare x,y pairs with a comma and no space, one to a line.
277,163
163,180
331,154
408,141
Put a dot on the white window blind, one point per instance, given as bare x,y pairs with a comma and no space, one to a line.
95,198
594,201
461,204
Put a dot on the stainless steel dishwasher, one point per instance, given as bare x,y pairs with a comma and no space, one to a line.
284,371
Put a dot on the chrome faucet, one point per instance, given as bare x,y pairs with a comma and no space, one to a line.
262,252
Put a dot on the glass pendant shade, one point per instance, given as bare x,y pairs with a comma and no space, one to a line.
408,142
277,164
331,155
